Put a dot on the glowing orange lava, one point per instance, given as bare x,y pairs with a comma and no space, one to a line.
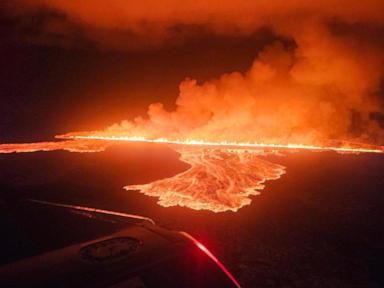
222,176
344,148
70,145
218,179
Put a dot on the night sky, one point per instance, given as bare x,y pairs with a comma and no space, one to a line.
49,89
84,66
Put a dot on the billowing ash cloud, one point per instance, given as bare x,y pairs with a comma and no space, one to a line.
303,95
326,86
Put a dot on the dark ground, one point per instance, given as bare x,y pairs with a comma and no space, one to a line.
320,225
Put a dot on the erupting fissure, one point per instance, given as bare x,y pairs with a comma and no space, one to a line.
222,175
347,147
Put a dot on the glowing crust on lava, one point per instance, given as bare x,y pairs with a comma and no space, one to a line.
70,145
222,176
218,180
345,147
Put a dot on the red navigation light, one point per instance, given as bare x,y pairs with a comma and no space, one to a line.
213,257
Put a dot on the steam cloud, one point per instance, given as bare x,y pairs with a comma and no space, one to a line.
300,95
328,85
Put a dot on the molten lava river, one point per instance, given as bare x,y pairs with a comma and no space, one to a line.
219,178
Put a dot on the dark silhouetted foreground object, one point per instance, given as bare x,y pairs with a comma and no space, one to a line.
140,255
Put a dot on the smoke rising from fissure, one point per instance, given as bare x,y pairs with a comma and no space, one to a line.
307,94
326,86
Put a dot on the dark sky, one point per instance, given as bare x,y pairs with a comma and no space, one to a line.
70,66
50,89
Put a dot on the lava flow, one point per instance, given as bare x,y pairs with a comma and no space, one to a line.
218,179
222,176
346,147
69,145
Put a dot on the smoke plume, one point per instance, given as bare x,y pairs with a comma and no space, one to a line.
305,94
326,85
